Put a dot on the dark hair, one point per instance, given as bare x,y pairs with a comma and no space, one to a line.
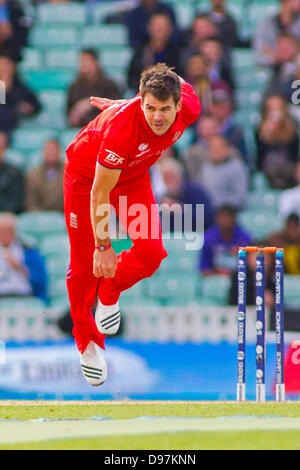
161,81
91,52
227,208
293,217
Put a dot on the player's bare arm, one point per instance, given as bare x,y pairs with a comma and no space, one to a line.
105,262
103,103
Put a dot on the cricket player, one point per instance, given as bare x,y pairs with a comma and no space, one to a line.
106,162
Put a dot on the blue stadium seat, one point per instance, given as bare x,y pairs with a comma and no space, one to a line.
44,36
28,140
39,224
54,79
32,59
53,99
98,36
260,222
61,58
216,289
68,12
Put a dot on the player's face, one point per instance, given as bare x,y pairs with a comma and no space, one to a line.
160,115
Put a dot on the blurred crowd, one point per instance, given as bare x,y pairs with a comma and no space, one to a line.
216,169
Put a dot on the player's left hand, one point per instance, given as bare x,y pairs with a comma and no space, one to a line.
105,263
101,103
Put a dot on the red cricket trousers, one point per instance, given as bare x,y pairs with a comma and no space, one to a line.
137,263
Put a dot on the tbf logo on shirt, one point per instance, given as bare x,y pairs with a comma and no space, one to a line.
113,158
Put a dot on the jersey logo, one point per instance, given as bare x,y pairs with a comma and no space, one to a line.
143,147
113,158
176,136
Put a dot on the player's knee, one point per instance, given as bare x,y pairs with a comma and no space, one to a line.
152,258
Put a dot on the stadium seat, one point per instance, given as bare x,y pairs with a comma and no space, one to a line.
164,287
121,244
184,12
247,118
216,289
260,223
24,303
53,119
250,99
53,99
66,136
100,11
44,36
57,289
54,79
243,58
264,199
39,224
185,262
53,245
259,181
69,12
28,140
57,265
112,57
15,158
99,36
259,10
61,58
291,290
32,59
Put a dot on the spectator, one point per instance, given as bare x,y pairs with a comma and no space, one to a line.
158,48
286,21
206,127
44,184
277,144
20,101
226,25
90,81
224,175
183,195
218,69
201,28
139,17
289,201
289,239
197,74
251,281
285,67
13,28
22,269
11,182
222,241
221,108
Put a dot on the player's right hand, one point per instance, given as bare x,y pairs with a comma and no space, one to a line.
105,263
101,103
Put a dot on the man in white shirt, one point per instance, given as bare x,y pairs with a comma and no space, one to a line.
289,201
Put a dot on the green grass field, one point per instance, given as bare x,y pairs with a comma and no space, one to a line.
149,425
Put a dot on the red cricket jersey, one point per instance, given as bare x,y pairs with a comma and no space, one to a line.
121,138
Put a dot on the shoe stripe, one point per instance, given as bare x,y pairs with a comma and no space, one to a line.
92,372
112,325
111,316
107,321
93,376
96,369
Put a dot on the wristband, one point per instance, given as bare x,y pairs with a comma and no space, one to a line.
103,247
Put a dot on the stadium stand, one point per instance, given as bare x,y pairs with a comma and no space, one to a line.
49,65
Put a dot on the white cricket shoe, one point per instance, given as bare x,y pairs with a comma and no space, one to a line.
108,318
93,365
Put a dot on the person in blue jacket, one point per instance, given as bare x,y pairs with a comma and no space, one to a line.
22,268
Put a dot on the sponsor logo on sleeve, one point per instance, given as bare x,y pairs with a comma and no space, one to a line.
113,158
